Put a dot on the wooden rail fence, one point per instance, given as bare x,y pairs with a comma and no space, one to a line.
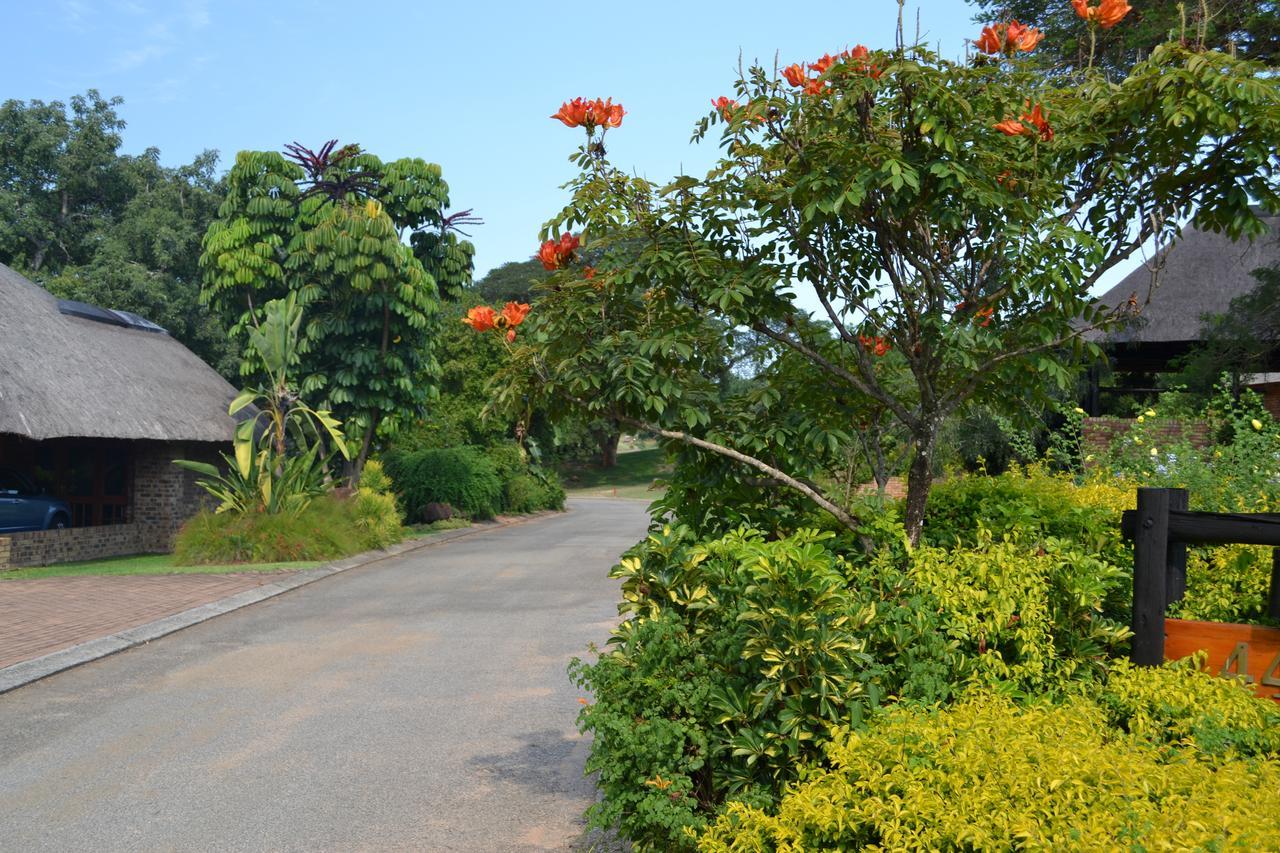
1161,529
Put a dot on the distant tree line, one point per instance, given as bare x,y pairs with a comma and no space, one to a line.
118,230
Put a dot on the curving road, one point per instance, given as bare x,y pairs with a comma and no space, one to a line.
419,703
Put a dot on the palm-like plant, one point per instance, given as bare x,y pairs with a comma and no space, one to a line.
263,475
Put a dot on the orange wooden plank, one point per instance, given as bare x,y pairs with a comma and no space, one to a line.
1257,649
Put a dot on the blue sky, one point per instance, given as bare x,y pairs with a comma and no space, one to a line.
467,85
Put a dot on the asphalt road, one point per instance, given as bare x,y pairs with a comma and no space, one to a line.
415,704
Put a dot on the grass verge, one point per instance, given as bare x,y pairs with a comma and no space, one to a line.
146,564
632,477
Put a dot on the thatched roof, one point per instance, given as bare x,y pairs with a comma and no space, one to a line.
1201,273
65,376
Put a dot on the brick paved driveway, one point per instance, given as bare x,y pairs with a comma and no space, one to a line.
38,617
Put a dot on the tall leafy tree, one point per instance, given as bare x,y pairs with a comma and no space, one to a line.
330,225
513,281
61,179
951,216
1249,27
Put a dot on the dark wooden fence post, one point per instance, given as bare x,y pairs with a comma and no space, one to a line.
1273,600
1176,559
1150,567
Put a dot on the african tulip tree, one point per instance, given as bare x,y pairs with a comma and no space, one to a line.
951,216
329,226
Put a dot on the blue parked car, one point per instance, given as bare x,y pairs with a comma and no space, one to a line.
22,507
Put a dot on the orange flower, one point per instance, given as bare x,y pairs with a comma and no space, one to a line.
606,113
1106,15
858,57
1009,38
877,345
990,41
824,64
795,74
511,336
1041,121
588,273
590,114
1021,37
573,113
1011,127
724,106
985,314
514,313
554,253
481,318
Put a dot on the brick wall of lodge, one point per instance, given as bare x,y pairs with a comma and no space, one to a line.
164,496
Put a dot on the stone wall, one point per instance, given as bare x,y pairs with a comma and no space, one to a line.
44,547
164,495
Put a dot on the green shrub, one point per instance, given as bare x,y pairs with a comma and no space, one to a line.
524,493
1020,619
1178,704
326,529
462,477
374,478
793,638
1031,505
985,774
741,654
654,732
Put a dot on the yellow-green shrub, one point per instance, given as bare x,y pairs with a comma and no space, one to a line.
1228,583
986,774
1029,620
328,528
1180,704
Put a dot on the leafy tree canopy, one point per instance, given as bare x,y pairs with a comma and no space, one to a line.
514,281
1250,27
950,218
330,226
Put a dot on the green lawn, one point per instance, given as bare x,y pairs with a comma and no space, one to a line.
146,564
163,564
632,477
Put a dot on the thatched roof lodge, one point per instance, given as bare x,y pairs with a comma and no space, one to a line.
94,406
1200,273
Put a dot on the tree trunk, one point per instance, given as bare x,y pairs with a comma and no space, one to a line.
355,467
919,481
609,448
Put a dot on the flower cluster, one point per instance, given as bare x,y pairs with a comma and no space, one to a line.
725,106
982,315
554,254
1106,15
876,344
797,74
1036,122
482,318
1008,39
581,112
